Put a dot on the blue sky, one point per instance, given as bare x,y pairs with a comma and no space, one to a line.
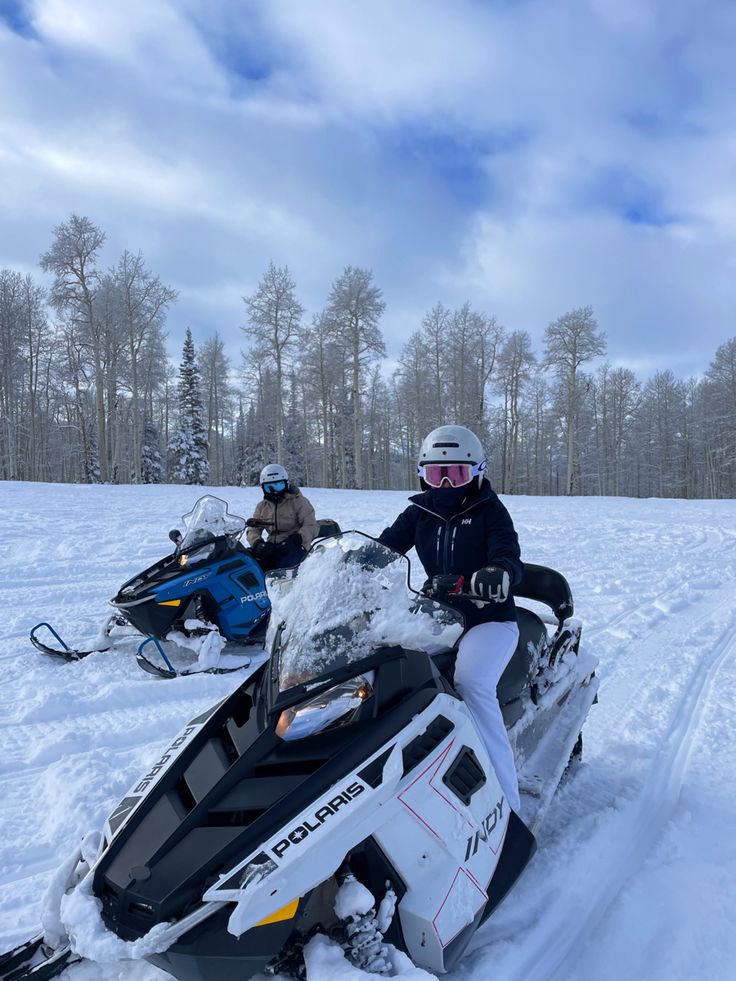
529,156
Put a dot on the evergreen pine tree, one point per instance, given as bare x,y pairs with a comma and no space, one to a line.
188,446
151,469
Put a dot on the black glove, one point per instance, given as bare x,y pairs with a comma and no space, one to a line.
295,540
491,584
262,548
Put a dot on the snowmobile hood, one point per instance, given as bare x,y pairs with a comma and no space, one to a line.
228,784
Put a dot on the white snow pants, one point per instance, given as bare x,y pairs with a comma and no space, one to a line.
482,655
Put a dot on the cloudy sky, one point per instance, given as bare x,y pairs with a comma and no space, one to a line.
527,155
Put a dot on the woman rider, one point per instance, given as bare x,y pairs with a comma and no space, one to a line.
459,526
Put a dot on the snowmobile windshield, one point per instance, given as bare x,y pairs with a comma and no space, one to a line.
352,595
209,519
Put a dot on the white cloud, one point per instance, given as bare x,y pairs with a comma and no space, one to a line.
219,135
148,36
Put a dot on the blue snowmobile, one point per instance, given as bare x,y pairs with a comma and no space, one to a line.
209,592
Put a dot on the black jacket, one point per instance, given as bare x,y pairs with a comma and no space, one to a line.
479,533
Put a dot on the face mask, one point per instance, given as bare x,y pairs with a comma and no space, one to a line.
448,498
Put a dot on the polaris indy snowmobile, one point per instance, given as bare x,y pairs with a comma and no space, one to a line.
347,759
208,592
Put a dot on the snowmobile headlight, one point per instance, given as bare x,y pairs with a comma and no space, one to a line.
336,705
198,555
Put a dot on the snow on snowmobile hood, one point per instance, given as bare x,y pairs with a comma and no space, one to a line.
352,595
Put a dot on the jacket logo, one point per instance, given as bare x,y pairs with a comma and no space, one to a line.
297,835
466,521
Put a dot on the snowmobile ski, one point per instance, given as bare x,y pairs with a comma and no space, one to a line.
35,959
66,653
170,671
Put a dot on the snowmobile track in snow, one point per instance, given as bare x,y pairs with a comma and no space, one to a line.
655,587
553,947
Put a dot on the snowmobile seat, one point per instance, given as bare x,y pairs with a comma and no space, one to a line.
518,672
545,585
327,528
444,661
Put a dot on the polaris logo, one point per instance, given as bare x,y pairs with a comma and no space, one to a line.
165,759
253,597
487,827
298,834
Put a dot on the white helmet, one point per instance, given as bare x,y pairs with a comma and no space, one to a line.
453,444
271,473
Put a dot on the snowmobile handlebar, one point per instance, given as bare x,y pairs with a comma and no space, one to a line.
444,587
258,523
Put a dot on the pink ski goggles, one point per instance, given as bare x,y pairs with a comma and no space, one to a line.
456,474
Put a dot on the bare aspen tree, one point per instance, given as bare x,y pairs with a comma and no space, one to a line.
414,378
435,327
570,342
11,284
215,368
620,395
322,369
489,335
72,259
354,309
144,301
515,362
35,336
274,322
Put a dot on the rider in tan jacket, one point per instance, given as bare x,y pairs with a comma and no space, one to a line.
286,516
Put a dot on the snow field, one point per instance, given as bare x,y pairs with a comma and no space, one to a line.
635,876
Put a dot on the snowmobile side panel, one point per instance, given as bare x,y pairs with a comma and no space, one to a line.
518,847
444,831
551,738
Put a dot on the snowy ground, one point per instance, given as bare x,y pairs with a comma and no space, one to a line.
635,876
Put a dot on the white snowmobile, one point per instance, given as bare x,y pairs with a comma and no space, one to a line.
348,758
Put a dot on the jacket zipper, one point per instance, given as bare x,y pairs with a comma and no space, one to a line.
449,539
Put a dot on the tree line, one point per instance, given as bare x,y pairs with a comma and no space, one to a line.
88,392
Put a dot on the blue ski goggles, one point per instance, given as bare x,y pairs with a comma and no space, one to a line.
274,488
